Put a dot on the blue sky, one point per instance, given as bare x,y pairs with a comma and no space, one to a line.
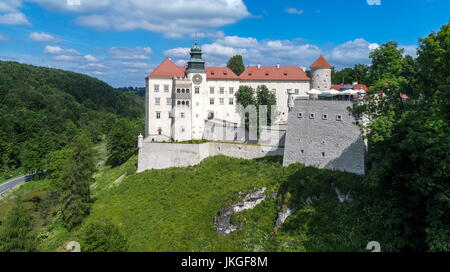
121,41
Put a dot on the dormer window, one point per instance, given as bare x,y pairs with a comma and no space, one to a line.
285,74
250,74
212,73
225,73
267,74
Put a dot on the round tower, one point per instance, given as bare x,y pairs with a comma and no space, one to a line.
321,74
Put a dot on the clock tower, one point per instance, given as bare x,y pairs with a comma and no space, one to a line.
196,72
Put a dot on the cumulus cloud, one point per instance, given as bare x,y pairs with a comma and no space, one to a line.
268,52
294,11
43,37
351,52
10,13
410,50
49,49
91,58
173,18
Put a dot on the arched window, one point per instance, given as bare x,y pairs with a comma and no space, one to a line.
187,103
187,90
178,90
183,103
159,131
183,91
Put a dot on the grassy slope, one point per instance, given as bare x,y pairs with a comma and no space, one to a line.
173,209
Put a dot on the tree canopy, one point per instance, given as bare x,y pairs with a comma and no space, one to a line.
236,64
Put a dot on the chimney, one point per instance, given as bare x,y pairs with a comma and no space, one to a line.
278,66
259,66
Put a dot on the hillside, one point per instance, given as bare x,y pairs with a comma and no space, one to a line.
42,109
174,209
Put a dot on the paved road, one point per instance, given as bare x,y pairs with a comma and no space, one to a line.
4,187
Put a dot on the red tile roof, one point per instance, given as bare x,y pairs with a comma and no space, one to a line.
220,73
168,69
321,62
291,73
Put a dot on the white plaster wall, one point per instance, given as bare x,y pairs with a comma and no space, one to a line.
164,122
166,155
321,79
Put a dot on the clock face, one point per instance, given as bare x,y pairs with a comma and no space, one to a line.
197,79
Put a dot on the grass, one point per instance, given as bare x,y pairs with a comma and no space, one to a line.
173,209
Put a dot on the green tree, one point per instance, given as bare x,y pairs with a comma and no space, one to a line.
386,60
265,98
102,237
122,142
236,64
16,230
76,178
245,96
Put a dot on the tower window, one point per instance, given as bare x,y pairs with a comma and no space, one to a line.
299,115
211,101
197,90
324,116
159,131
178,102
178,91
312,116
187,90
182,115
323,154
338,117
158,115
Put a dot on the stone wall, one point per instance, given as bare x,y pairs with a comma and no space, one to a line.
166,155
325,141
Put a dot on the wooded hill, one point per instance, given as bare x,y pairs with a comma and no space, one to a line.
43,109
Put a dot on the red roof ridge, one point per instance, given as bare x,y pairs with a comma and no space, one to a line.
321,62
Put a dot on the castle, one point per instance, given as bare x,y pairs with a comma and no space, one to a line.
190,102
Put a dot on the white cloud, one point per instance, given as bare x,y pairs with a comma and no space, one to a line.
58,50
352,52
93,66
65,58
43,37
294,11
269,52
130,53
10,14
91,58
173,18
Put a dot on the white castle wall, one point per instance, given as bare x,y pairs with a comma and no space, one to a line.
321,79
324,142
166,155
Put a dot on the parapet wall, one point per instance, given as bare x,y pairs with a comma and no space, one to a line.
166,155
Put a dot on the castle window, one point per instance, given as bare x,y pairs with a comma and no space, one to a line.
187,103
182,129
157,101
159,131
323,154
166,88
222,90
299,115
211,90
312,115
231,101
221,101
178,91
187,90
197,90
211,101
296,91
183,103
156,88
338,117
197,103
225,73
324,116
182,115
169,101
285,73
158,115
231,90
212,73
302,151
178,102
183,91
196,116
267,74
